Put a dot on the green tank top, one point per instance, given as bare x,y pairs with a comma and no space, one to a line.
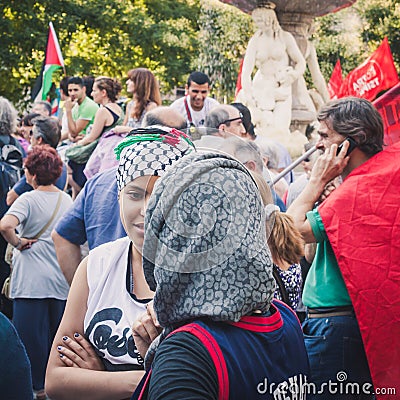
324,285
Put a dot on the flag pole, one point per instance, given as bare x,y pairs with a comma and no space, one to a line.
293,165
39,80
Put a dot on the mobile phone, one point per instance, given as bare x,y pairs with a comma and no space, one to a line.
352,146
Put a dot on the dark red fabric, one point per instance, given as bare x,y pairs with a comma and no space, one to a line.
375,74
261,324
336,81
388,106
215,352
362,221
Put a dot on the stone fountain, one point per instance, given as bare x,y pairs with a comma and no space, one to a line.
296,17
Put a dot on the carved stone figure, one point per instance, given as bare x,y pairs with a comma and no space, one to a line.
278,61
310,100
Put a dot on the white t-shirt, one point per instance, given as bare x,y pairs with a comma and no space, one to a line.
198,117
36,272
111,310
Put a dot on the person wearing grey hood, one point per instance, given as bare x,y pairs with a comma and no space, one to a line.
206,258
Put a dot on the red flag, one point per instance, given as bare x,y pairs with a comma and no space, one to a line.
389,107
362,221
375,74
336,81
239,79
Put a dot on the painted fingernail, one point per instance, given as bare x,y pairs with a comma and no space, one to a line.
65,338
76,334
59,348
61,355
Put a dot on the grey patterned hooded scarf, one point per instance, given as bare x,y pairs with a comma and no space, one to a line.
205,251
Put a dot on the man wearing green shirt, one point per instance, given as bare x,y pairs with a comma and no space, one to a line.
79,108
80,111
331,331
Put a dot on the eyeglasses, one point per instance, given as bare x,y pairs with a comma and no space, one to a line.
233,119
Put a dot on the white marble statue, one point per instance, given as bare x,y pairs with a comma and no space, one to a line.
314,98
278,62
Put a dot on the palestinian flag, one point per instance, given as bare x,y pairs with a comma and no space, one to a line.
362,221
53,60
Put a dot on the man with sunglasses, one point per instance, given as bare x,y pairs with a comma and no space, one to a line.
228,120
196,104
45,131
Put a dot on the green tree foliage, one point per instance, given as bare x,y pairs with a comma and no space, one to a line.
354,33
225,32
170,37
173,35
337,37
380,18
106,37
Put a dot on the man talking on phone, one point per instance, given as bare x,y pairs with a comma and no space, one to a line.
352,288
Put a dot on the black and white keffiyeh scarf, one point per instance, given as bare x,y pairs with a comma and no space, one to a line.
149,151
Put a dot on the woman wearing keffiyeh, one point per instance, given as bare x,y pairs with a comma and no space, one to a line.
206,258
109,290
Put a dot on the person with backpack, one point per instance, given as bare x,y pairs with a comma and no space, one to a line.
224,336
11,151
11,155
45,131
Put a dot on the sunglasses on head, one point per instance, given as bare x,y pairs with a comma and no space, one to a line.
240,117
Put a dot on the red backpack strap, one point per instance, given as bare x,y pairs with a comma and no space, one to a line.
215,352
287,307
143,387
188,113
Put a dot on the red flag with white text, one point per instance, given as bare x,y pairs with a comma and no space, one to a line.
336,81
375,74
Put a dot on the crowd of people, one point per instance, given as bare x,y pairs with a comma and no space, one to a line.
147,254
